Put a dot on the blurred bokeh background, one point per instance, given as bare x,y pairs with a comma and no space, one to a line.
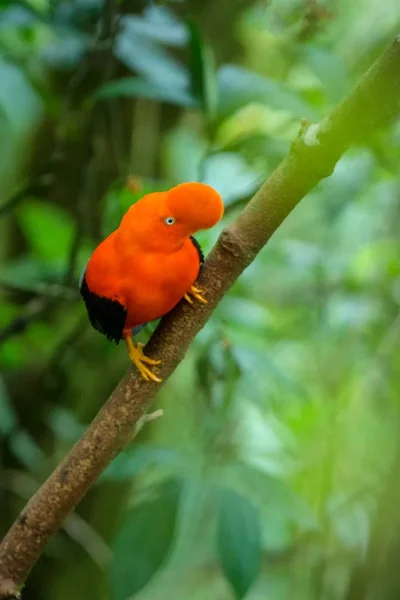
275,470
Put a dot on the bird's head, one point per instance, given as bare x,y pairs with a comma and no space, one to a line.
166,219
194,205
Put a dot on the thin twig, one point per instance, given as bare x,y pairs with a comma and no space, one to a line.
36,185
49,296
34,311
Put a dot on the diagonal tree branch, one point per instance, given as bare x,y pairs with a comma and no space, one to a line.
313,155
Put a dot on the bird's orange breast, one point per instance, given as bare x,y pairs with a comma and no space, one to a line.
147,284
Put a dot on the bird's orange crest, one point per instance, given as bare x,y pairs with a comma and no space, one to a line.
163,220
197,204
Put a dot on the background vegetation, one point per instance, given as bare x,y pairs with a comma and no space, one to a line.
275,470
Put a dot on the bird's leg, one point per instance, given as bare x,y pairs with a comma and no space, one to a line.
196,293
140,360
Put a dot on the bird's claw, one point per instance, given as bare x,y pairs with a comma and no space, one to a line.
144,358
196,293
140,360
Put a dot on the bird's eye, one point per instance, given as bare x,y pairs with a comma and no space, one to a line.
169,221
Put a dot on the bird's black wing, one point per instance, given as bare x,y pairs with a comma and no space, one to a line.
106,315
198,248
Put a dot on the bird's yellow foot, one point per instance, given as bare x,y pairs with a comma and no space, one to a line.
140,360
196,293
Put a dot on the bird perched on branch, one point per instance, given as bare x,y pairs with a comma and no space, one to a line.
145,267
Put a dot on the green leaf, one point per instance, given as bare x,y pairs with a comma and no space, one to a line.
65,425
183,154
31,275
202,71
8,418
285,512
330,70
159,24
229,173
144,56
16,16
24,447
238,86
144,540
137,87
47,228
239,541
132,462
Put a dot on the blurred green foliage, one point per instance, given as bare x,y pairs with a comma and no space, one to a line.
275,469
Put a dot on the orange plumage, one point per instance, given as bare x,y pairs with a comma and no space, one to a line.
145,267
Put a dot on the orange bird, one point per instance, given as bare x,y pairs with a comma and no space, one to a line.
145,267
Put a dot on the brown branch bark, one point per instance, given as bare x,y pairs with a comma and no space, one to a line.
373,102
